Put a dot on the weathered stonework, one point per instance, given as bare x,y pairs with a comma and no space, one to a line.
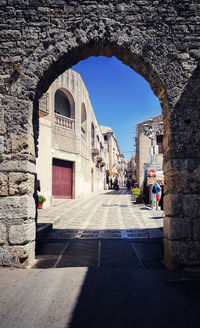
21,184
2,234
3,185
18,256
22,234
158,39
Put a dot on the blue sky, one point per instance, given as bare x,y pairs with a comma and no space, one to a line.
120,98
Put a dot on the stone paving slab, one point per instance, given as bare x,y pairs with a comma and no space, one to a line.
109,214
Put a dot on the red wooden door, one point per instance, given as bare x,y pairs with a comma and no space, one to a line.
62,179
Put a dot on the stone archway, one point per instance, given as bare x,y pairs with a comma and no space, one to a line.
50,39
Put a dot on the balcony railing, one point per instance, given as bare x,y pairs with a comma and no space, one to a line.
94,147
64,122
44,105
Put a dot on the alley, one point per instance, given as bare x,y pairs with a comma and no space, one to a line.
106,229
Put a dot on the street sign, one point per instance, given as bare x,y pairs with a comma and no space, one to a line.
152,166
152,173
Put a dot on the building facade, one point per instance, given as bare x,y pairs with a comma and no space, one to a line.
74,156
149,148
117,164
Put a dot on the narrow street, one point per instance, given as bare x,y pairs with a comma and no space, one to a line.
105,230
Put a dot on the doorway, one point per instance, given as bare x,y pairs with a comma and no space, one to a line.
62,173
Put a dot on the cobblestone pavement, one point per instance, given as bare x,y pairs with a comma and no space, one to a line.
105,215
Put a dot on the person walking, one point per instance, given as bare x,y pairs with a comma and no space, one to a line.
158,193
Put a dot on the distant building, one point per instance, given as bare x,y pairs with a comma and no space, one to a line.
149,147
132,168
116,162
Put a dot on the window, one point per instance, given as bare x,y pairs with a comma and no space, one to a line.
62,105
159,141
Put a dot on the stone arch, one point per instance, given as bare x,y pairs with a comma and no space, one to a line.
150,44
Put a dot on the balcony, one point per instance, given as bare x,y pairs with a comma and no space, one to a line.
64,122
95,151
99,158
44,105
94,148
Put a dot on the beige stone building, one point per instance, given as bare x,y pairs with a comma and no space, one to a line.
116,162
149,148
73,153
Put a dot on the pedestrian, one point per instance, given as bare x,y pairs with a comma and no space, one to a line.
116,184
132,183
111,183
128,184
158,193
35,195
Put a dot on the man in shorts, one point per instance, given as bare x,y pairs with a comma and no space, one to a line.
158,193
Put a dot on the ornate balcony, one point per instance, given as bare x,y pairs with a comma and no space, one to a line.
64,122
99,158
95,151
44,105
94,148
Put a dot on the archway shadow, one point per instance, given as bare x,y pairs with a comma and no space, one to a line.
133,298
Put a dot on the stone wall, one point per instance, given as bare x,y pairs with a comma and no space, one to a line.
41,39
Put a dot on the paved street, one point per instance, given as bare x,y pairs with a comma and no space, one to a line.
103,268
105,230
108,214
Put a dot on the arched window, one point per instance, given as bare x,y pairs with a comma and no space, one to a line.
62,104
83,121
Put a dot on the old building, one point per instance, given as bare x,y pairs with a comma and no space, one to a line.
70,143
74,153
116,161
131,168
149,148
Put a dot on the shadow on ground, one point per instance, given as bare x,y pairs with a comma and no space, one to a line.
111,252
124,298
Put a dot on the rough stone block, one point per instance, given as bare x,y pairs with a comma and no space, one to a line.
16,207
177,228
21,184
3,184
183,164
23,144
18,256
183,181
22,234
20,166
181,253
1,145
2,234
180,205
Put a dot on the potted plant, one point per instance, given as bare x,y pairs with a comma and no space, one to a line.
41,200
